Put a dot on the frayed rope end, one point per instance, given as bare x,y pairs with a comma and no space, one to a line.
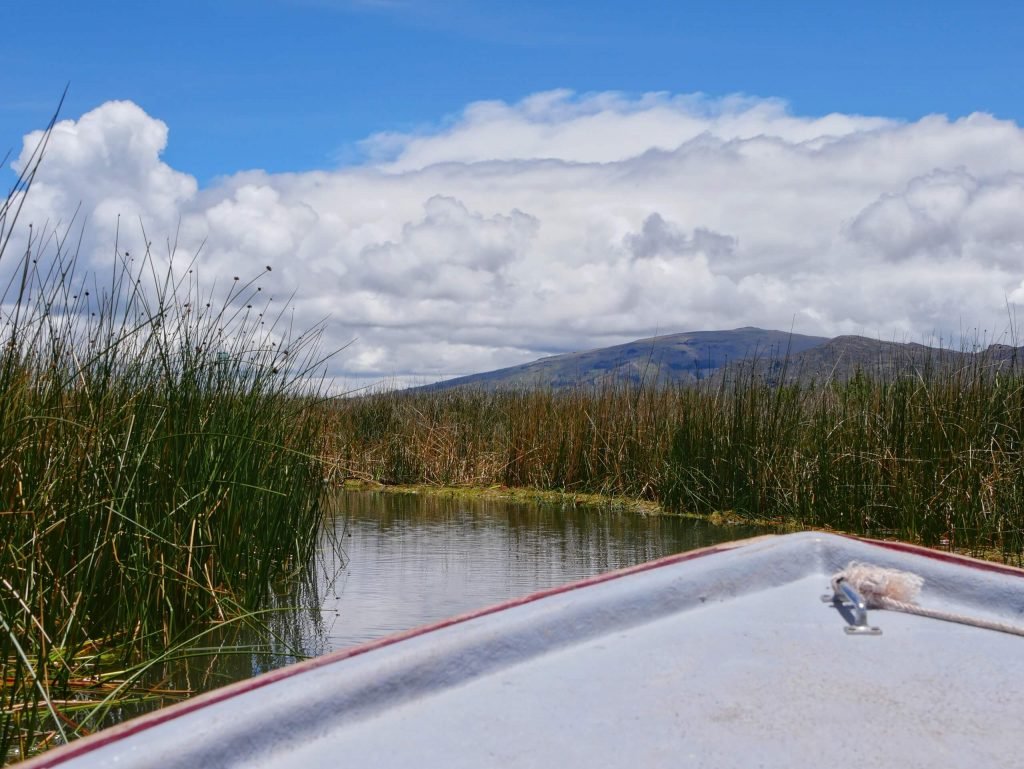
878,584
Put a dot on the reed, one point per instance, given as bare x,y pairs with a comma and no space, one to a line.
929,454
610,441
160,468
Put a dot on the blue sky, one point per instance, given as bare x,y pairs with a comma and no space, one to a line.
465,185
290,85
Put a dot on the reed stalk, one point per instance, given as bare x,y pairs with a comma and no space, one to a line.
160,467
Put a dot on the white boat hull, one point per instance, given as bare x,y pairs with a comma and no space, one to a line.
720,657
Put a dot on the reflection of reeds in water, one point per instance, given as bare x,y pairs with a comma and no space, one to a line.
159,469
574,540
928,453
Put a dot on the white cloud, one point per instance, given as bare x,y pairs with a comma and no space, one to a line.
600,128
563,222
109,162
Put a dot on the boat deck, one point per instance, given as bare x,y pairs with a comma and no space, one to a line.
719,658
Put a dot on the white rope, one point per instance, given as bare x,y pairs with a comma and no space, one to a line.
898,590
948,616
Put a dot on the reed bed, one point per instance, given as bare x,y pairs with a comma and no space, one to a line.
160,469
930,454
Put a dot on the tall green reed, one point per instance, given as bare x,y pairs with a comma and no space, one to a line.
160,463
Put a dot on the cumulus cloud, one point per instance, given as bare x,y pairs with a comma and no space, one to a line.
600,128
565,222
656,236
451,254
108,163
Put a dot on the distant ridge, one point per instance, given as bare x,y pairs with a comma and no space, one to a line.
843,357
712,357
685,358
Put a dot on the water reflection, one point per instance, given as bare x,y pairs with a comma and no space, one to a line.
414,559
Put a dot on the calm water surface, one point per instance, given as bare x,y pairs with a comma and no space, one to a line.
408,559
390,562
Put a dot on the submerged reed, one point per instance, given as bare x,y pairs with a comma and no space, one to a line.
160,467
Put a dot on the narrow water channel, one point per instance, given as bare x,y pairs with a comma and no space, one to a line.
411,559
390,562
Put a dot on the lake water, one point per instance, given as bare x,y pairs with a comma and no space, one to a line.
412,559
390,562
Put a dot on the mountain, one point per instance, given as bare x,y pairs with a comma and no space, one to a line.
675,358
843,357
718,357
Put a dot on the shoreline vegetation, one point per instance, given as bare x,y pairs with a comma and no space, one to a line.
160,470
929,455
599,503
